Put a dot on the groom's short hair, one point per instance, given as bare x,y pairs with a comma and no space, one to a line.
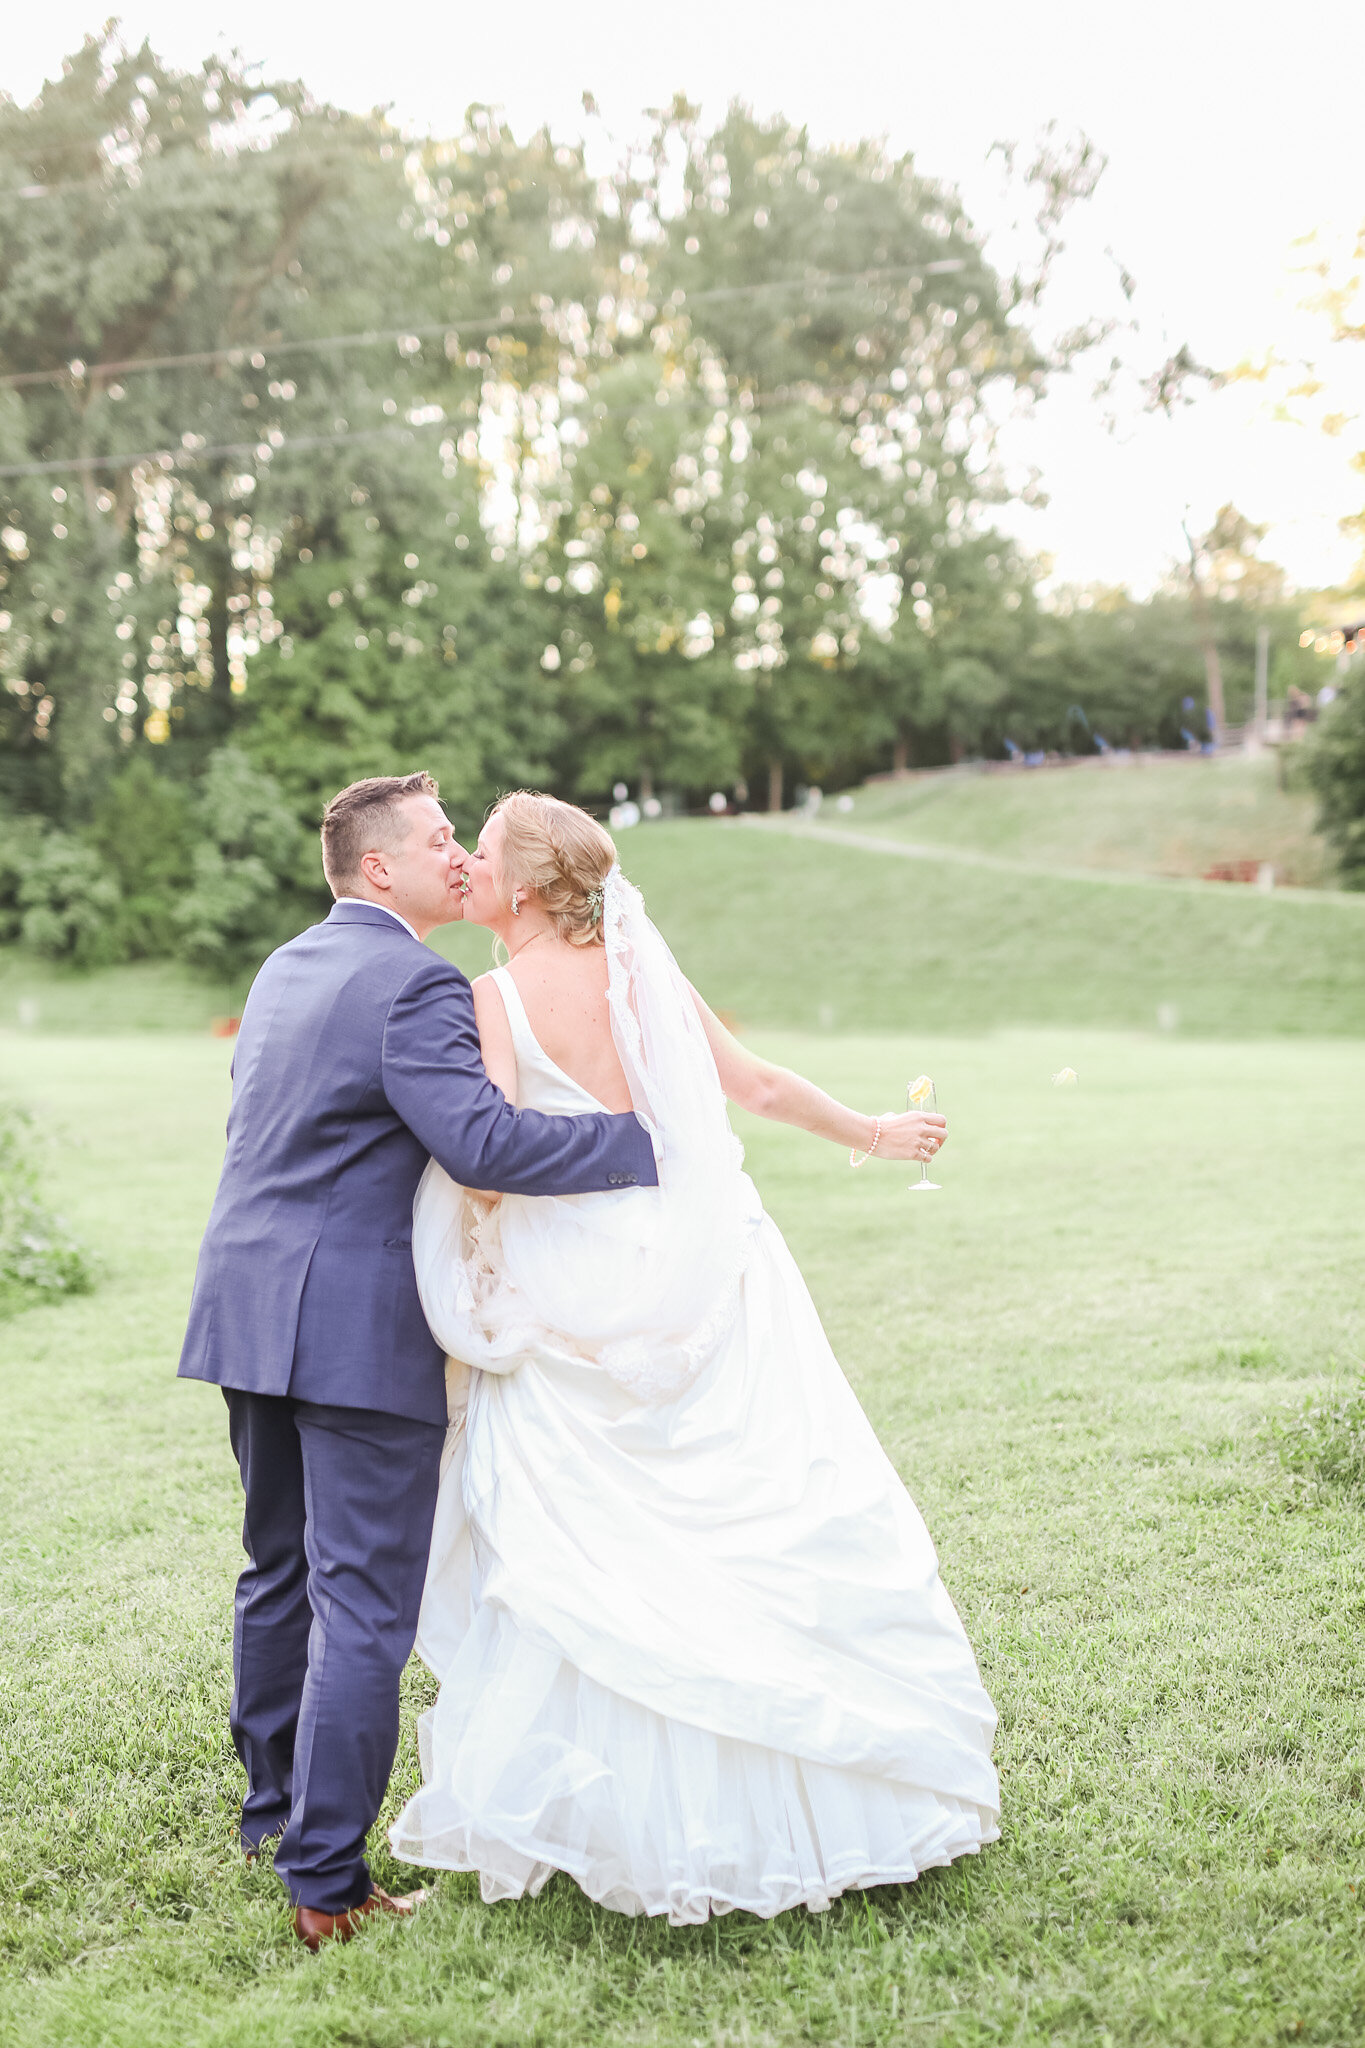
367,817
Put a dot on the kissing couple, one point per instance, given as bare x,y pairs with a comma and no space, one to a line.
518,1370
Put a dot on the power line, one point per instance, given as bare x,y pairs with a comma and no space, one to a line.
246,352
263,451
171,457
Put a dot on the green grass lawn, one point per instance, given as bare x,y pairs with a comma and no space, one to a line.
788,931
1072,1354
1153,814
145,995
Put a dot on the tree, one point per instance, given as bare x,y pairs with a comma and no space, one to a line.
143,831
183,215
394,659
1335,764
1224,566
246,854
457,454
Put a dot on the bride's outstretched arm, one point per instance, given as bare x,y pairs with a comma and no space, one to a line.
772,1091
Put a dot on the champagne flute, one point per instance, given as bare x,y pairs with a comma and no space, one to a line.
922,1094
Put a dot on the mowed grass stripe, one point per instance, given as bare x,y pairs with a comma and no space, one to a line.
823,834
1149,814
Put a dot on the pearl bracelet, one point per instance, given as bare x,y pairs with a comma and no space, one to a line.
853,1158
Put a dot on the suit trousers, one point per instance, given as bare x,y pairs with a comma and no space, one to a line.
339,1509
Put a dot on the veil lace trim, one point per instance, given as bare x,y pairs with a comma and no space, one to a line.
677,1095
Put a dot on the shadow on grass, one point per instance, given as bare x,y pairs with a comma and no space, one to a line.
563,1921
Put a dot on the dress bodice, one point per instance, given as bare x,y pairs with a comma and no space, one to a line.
540,1083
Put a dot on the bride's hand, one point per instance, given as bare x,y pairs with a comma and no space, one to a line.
912,1134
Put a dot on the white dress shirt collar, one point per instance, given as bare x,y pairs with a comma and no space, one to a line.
388,912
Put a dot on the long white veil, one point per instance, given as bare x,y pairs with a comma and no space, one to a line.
644,1283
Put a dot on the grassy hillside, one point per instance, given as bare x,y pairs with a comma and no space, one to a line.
1159,816
782,930
1072,1353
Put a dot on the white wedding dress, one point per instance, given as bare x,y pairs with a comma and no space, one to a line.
691,1639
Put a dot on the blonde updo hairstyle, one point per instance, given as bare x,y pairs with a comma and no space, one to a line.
561,855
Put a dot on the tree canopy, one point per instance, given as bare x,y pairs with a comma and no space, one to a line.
325,452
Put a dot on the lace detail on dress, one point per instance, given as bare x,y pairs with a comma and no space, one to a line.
482,1232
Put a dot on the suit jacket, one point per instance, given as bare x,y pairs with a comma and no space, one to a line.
358,1057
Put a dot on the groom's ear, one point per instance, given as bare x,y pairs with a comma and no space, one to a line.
374,866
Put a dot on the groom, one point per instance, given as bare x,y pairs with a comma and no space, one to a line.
358,1057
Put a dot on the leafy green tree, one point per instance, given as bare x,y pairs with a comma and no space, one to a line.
180,213
1103,663
680,476
1335,766
143,831
247,852
21,842
70,904
391,658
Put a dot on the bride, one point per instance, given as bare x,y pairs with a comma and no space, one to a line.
690,1635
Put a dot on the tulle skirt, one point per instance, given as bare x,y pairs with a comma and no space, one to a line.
696,1654
531,1767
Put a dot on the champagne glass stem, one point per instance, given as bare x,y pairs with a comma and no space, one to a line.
924,1184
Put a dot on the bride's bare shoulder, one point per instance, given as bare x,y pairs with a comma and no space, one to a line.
495,1033
487,995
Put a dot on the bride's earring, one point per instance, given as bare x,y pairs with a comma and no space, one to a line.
516,907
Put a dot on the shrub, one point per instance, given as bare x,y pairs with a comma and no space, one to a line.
228,914
238,905
1334,762
211,875
143,830
70,903
20,841
109,893
38,1254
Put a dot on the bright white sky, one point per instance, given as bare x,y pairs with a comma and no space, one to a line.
1230,132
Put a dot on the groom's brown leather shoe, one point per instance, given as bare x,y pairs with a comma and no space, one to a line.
313,1928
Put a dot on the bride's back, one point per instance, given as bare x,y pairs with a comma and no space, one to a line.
564,991
537,881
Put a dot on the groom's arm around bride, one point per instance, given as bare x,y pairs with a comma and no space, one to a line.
358,1057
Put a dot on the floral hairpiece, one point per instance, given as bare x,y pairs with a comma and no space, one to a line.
594,905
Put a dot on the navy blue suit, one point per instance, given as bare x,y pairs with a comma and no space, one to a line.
358,1057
